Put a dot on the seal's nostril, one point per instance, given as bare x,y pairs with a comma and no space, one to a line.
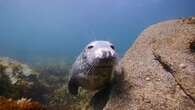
104,53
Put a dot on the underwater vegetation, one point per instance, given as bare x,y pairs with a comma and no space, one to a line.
55,75
19,80
21,104
43,82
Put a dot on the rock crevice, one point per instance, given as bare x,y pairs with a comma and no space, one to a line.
167,67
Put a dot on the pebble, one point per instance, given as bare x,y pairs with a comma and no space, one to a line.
182,65
147,78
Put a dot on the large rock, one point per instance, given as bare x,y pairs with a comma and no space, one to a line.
159,69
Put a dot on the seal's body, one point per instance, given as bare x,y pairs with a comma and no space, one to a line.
93,68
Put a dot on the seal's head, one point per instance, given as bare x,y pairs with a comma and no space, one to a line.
100,53
93,68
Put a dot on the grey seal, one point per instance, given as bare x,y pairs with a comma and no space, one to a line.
93,69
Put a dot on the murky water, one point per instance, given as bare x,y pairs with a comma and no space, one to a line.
46,28
49,34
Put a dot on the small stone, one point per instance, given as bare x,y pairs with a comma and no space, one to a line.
182,65
147,78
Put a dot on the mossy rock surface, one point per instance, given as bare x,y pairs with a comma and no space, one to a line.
18,80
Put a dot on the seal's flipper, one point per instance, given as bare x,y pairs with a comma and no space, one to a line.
73,87
100,99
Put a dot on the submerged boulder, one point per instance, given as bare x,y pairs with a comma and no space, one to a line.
19,80
16,71
159,69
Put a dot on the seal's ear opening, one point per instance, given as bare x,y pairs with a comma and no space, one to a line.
73,87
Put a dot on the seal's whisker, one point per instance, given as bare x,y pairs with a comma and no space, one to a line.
92,67
88,70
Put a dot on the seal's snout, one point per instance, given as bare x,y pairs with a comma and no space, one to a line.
104,53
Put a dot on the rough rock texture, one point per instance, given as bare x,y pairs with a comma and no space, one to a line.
159,70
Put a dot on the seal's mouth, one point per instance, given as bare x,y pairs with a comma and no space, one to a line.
103,62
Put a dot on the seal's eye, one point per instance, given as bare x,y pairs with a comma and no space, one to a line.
112,47
90,47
